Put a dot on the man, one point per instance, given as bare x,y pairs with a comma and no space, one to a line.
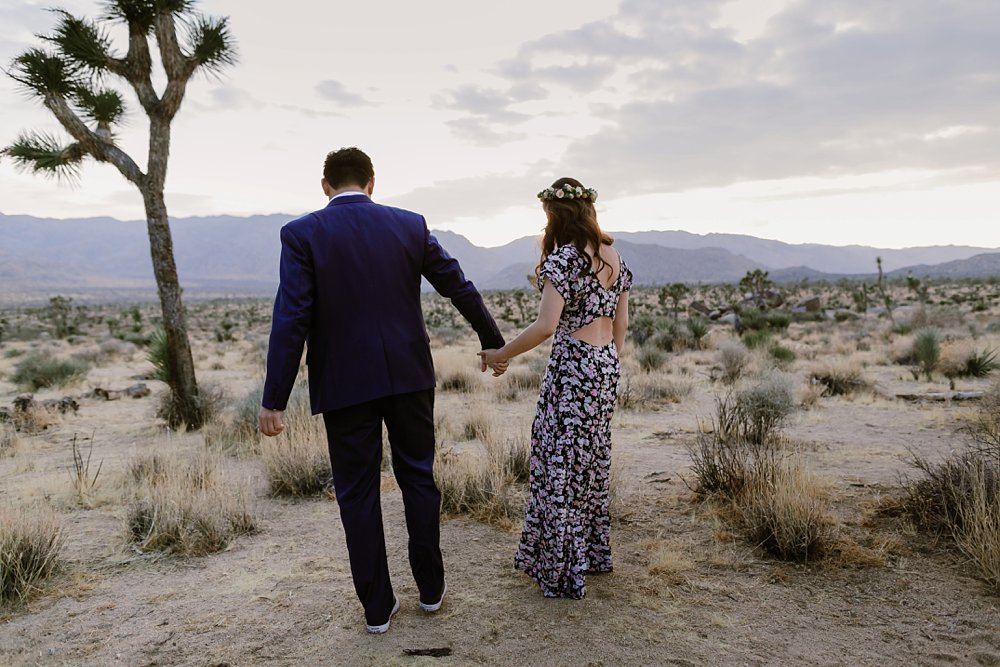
350,286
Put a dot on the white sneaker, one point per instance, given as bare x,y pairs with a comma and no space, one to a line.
430,608
381,629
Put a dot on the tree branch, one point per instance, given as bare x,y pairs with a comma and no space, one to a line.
100,149
137,69
173,58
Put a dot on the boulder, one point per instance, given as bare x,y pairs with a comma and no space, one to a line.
812,304
61,405
699,308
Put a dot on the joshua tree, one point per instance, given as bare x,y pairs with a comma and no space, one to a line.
674,293
757,283
69,78
883,290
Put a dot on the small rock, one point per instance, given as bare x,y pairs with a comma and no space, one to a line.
138,391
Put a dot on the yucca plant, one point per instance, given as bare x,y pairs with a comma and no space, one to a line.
926,351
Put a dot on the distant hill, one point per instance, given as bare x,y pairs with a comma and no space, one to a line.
978,266
239,255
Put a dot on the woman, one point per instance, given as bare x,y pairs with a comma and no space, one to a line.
585,286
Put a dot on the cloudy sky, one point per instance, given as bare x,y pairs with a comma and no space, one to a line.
835,121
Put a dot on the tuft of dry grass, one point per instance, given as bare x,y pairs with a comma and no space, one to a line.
959,497
82,480
30,543
841,378
8,440
784,511
184,507
479,486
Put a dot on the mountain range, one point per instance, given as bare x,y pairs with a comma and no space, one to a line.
239,255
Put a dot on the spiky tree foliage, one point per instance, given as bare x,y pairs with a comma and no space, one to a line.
70,75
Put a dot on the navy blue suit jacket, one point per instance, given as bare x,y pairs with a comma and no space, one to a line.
350,287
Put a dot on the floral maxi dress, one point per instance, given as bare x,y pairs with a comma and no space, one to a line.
567,525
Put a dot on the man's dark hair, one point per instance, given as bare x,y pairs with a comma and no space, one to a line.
348,166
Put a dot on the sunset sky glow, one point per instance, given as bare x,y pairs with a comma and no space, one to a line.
830,121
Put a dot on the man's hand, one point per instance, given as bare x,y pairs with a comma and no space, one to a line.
271,422
491,359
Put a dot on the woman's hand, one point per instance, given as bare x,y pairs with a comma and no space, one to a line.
492,359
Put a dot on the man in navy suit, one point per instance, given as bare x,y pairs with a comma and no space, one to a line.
350,287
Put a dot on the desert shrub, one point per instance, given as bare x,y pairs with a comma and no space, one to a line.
651,358
926,351
840,378
38,371
785,512
734,359
723,466
757,412
974,363
184,507
902,328
781,354
643,327
756,338
959,496
668,338
30,542
753,319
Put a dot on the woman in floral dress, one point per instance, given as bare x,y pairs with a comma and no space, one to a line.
585,286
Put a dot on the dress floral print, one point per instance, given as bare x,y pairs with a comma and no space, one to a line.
567,525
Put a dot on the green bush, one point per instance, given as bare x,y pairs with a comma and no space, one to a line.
644,327
781,354
158,354
757,338
38,371
651,358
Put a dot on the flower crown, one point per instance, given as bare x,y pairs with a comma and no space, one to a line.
567,191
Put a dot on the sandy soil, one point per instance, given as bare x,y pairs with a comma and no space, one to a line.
685,590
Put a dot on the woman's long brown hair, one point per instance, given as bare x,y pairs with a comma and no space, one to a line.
572,221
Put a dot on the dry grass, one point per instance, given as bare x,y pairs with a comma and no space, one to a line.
734,360
841,377
8,440
959,497
30,542
978,531
84,481
184,507
784,511
478,486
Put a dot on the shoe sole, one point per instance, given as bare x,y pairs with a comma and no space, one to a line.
431,608
381,629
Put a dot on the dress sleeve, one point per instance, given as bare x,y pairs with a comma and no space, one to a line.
626,276
557,270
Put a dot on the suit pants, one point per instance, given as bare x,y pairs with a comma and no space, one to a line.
354,434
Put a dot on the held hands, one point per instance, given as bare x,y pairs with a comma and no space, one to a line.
492,360
271,422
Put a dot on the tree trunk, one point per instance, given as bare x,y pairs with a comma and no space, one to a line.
186,405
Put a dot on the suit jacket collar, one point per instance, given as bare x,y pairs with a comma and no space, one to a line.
349,199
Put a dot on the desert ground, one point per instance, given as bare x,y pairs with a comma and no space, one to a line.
691,586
